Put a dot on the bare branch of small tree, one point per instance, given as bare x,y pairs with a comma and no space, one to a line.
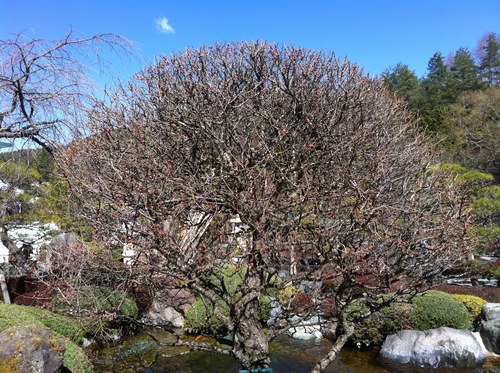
45,85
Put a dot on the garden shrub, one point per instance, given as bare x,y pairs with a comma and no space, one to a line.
200,318
434,309
374,329
286,294
302,302
473,304
429,310
198,321
98,308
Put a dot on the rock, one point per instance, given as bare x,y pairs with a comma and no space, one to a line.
435,348
276,311
89,344
305,332
490,327
168,308
31,349
306,329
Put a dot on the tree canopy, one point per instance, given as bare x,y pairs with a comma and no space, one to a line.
325,170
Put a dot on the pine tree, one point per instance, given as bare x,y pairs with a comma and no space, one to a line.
436,95
488,52
404,83
463,73
436,83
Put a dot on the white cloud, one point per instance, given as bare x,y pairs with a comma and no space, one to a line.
163,26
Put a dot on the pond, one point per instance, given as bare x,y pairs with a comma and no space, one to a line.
142,354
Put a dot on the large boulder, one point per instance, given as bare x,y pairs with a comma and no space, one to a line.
490,327
31,349
435,348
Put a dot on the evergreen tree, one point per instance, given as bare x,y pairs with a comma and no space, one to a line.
463,73
435,95
488,52
404,83
436,83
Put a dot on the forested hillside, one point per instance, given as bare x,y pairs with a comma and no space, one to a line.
457,102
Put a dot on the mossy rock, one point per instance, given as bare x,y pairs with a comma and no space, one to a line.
15,315
75,359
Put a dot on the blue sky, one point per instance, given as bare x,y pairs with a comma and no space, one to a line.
375,34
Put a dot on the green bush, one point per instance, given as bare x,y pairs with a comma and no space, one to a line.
200,318
434,309
265,308
374,329
99,309
198,321
429,310
473,304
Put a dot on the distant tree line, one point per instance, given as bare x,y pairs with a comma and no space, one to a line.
457,102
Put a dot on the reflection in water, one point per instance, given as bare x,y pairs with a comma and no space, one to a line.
141,354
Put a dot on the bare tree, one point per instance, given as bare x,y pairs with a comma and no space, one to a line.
43,85
325,170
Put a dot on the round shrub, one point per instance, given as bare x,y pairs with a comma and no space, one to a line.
373,330
434,309
473,304
200,318
265,308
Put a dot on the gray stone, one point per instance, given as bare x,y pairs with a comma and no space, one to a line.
305,329
31,349
435,348
168,308
276,311
305,332
490,327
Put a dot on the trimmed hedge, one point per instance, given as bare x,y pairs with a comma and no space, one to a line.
434,309
429,310
200,318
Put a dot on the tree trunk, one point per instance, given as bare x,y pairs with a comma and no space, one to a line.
16,257
347,331
251,345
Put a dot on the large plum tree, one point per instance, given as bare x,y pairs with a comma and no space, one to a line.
325,170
